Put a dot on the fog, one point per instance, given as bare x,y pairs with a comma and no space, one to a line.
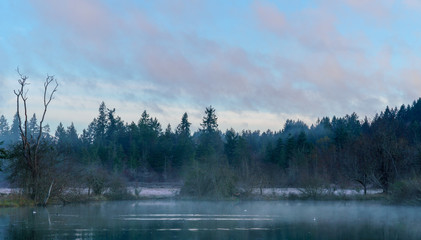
222,220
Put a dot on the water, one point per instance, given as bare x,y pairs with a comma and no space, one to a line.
168,219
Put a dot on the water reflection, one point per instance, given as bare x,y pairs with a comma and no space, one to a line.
212,220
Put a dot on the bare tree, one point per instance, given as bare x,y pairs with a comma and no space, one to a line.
31,144
358,161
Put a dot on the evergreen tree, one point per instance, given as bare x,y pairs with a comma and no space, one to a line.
184,127
46,133
61,138
33,127
14,130
132,147
230,146
184,146
210,142
149,131
167,146
88,135
72,134
101,123
144,120
289,149
278,154
4,129
209,124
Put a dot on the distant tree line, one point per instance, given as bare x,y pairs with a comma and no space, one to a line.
338,150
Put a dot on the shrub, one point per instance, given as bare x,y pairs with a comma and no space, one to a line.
315,188
204,180
406,191
118,188
96,179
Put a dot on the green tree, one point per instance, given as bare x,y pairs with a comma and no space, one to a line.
3,155
166,144
278,154
101,123
210,141
230,146
14,130
149,131
289,149
209,123
115,130
61,138
4,129
184,146
183,129
72,135
33,126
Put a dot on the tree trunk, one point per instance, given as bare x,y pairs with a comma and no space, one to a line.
48,194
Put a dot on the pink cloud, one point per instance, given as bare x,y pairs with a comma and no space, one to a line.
413,4
313,28
325,76
270,17
380,9
412,78
90,19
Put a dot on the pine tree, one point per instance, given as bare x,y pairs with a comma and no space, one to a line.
72,135
184,127
33,127
60,133
209,124
184,146
14,130
61,139
278,154
101,123
230,146
4,129
210,142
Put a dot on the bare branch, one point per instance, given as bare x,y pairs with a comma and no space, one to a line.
21,94
47,100
30,144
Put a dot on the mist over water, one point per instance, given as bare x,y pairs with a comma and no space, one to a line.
213,220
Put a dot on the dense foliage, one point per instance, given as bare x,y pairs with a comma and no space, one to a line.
338,150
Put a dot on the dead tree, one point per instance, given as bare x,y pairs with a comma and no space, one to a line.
31,144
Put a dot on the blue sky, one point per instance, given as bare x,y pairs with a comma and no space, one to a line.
257,62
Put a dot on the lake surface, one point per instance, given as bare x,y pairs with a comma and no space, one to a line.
171,219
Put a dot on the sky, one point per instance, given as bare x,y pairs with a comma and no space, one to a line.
257,63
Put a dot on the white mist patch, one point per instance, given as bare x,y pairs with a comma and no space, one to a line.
196,219
194,215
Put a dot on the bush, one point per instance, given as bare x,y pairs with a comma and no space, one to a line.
406,191
118,188
96,179
204,180
315,188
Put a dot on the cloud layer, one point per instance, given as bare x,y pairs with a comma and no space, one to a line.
251,60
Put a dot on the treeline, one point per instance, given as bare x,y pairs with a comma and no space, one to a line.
338,150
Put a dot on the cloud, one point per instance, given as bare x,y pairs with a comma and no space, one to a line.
334,72
91,20
304,62
378,9
270,17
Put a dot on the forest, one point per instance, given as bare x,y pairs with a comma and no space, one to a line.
110,153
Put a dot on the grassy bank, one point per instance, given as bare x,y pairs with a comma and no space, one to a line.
15,200
18,200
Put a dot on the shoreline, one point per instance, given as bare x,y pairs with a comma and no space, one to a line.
174,191
10,197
